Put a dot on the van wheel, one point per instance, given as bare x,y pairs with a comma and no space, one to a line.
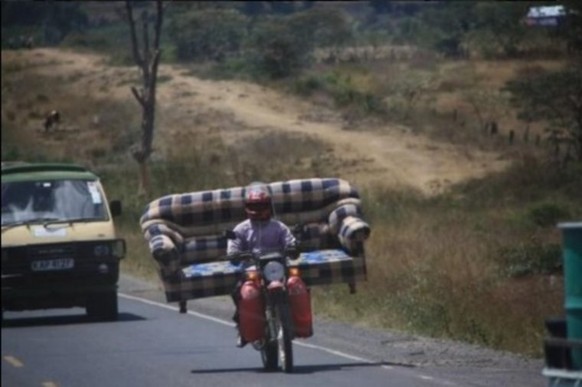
102,306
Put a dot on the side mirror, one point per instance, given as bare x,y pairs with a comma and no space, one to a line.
229,234
115,207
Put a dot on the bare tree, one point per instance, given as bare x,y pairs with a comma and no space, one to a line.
147,59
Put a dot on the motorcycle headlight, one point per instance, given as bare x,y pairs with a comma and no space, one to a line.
274,271
101,250
119,248
115,249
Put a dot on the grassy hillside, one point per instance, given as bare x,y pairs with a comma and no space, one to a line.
478,261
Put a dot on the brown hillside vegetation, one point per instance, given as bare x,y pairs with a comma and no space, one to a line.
189,107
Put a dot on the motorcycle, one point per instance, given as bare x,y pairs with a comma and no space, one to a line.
274,306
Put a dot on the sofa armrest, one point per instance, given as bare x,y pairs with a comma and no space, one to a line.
163,249
165,245
353,232
346,222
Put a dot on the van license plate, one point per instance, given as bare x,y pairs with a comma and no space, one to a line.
53,264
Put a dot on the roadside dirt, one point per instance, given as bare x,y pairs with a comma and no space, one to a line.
391,155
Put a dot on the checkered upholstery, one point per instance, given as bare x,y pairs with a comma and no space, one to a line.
185,234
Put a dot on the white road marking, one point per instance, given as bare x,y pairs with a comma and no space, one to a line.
13,361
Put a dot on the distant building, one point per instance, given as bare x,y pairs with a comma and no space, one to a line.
545,16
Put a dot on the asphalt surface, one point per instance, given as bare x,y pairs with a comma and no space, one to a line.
457,363
153,345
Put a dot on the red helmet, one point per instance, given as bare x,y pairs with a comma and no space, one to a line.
258,202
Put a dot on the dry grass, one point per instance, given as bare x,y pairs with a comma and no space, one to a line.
431,269
144,268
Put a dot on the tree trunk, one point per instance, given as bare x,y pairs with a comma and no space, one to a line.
147,59
144,179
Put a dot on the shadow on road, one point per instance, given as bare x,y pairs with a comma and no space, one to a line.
62,320
303,369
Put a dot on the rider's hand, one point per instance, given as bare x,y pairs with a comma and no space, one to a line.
234,259
292,253
237,258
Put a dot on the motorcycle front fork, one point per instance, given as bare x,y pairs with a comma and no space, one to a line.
275,301
272,326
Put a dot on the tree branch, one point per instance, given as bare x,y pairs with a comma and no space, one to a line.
138,59
154,67
146,35
139,97
158,25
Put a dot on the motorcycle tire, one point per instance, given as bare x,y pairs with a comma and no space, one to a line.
285,338
269,353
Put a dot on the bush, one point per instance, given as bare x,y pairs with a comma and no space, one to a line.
528,259
547,214
232,68
348,89
275,51
307,85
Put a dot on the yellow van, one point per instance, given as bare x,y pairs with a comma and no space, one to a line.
59,246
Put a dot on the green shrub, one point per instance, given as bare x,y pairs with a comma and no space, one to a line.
527,259
547,214
11,153
231,68
307,85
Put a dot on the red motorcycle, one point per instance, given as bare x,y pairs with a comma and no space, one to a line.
274,307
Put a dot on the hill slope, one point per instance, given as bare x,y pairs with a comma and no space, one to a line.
234,109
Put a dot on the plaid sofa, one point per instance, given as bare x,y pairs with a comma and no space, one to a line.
185,234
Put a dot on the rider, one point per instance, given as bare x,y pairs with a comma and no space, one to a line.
260,233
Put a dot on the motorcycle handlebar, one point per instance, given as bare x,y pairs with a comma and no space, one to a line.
237,258
291,252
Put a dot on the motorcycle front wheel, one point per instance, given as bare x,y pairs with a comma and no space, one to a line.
269,354
269,344
285,338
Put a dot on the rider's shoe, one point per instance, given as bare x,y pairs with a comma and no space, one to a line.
240,341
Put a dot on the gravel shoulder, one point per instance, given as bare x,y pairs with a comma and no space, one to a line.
457,363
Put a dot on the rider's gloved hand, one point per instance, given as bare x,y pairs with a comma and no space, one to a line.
234,260
237,258
292,253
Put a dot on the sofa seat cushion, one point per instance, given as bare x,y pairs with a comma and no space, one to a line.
318,267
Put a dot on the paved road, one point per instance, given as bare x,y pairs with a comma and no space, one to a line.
153,345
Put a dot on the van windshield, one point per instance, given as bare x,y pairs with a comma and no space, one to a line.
27,201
